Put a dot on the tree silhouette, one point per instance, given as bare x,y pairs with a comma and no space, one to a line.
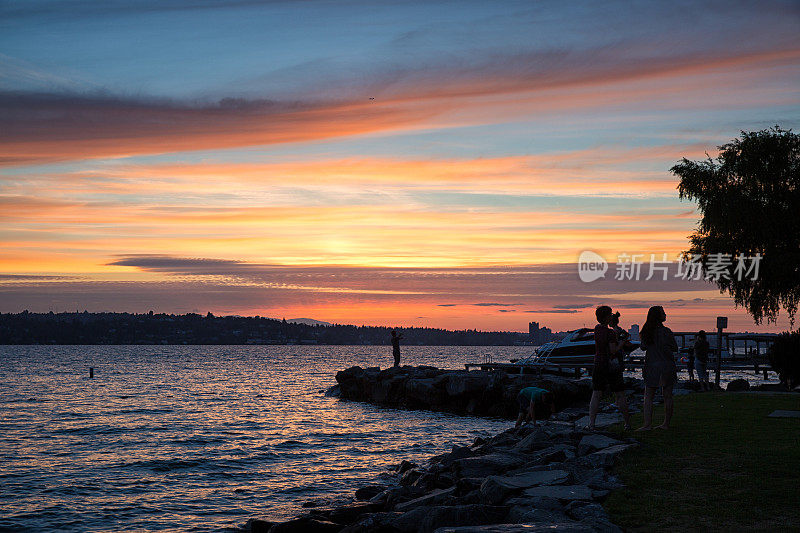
749,197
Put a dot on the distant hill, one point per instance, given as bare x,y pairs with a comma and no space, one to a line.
308,321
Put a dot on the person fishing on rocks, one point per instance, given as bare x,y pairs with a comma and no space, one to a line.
396,347
529,399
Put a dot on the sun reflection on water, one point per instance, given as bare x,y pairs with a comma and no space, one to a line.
202,437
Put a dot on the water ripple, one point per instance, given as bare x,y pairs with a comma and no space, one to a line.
199,438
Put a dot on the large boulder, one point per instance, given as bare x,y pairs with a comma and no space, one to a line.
368,492
372,522
592,443
554,454
561,492
348,514
428,519
458,452
535,502
390,390
306,525
394,371
521,515
565,527
495,489
435,497
351,383
536,440
463,383
487,465
602,421
425,371
570,414
394,495
423,392
738,385
506,439
405,466
604,458
355,383
411,476
591,514
256,525
559,430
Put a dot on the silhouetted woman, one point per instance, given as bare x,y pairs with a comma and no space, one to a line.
659,365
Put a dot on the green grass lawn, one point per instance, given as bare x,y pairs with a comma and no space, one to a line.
722,466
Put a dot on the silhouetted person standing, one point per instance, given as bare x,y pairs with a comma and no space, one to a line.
607,369
659,365
396,347
701,349
623,337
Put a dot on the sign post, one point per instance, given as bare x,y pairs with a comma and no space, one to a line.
722,323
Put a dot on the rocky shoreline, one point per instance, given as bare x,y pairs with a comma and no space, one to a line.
553,476
549,477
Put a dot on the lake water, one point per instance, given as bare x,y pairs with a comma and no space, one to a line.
201,438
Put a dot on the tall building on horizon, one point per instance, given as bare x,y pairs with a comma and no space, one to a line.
539,335
633,331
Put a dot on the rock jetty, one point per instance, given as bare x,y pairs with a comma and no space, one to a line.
457,391
551,477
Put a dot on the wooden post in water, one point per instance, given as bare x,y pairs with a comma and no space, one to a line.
91,372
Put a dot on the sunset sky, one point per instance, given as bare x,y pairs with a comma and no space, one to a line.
426,163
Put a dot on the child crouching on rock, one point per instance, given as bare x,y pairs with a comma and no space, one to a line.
528,399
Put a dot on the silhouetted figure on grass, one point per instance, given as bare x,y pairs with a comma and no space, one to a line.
659,365
701,349
529,399
396,347
607,370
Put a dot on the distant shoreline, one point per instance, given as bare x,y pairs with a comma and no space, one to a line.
252,344
192,329
102,329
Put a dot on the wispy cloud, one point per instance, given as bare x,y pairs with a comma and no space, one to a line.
494,304
466,89
367,295
554,311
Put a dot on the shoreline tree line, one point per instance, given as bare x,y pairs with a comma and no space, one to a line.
193,328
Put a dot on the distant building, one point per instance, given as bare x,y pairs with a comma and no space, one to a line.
539,335
634,332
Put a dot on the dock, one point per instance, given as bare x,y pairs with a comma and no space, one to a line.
754,357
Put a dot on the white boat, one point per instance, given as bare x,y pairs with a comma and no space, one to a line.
576,348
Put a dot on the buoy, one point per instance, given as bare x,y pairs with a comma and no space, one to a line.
91,372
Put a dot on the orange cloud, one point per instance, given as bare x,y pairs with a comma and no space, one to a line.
596,171
49,128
